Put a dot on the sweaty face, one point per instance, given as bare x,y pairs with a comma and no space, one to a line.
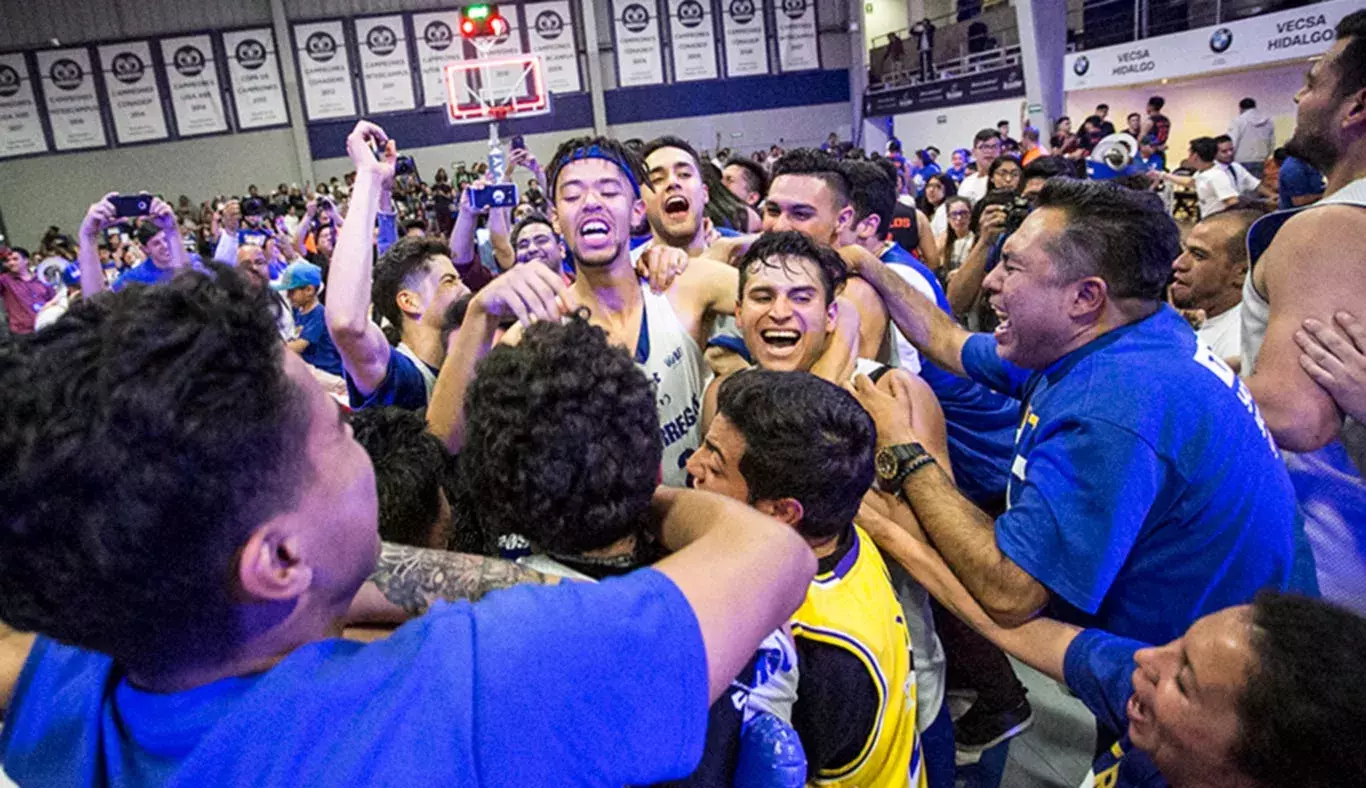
783,314
1183,711
159,250
338,509
1025,291
715,466
537,243
1320,113
807,204
675,196
1204,275
734,178
1225,153
595,209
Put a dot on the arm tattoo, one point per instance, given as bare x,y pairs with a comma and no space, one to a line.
413,578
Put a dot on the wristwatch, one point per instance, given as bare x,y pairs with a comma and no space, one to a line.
895,463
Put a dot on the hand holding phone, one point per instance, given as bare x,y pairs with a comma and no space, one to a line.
503,195
129,206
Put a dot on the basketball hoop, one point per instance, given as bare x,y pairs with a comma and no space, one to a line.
492,89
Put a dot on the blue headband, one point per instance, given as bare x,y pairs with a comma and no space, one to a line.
595,151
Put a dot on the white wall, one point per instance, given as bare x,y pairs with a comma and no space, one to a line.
886,16
46,190
1202,106
920,129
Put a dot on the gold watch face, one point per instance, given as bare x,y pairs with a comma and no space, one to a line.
886,464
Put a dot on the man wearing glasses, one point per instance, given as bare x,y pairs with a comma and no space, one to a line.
986,147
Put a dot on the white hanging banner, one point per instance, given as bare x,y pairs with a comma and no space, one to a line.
796,26
745,33
257,93
693,40
550,32
498,83
438,40
324,70
73,104
21,130
192,74
386,72
636,23
130,83
1271,38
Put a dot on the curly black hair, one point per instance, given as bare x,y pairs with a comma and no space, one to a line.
805,438
397,270
772,248
562,441
410,471
145,435
631,161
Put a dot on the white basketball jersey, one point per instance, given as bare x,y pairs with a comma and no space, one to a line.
668,355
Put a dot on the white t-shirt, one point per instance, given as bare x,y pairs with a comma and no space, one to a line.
973,187
1241,179
1224,333
1212,187
907,357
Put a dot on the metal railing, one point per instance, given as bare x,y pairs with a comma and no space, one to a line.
1097,23
973,63
988,37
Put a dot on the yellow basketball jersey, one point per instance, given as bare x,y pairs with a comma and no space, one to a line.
853,607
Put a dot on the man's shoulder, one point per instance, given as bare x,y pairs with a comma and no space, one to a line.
1312,239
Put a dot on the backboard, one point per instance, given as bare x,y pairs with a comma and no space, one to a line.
492,88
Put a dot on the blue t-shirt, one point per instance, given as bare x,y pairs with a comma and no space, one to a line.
1145,491
1297,179
602,684
145,272
980,422
321,352
404,385
1098,669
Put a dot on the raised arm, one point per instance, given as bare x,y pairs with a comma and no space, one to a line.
966,283
929,245
726,552
921,320
361,343
98,217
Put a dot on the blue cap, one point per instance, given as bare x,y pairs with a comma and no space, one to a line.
71,275
300,274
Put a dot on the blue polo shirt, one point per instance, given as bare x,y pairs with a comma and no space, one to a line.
321,351
1145,490
577,684
980,422
404,385
1098,669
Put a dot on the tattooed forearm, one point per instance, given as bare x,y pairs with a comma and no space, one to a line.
412,578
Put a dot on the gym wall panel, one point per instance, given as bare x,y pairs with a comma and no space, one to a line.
921,129
34,23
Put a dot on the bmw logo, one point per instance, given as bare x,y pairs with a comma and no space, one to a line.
188,60
127,68
9,81
742,11
66,74
635,17
381,40
1220,40
251,54
1081,65
321,46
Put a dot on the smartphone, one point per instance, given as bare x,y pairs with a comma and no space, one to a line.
504,195
127,206
518,142
253,237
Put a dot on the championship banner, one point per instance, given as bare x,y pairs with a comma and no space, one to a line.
1287,35
504,80
192,74
257,93
745,33
636,25
21,130
550,33
73,104
324,70
1001,83
385,69
438,42
796,25
130,83
693,40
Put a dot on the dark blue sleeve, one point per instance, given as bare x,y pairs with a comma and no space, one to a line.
1098,669
1085,491
403,386
388,231
984,365
616,672
312,326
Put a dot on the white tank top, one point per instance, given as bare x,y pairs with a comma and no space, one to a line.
1328,482
668,355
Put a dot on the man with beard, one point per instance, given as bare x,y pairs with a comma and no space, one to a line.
1208,277
1307,265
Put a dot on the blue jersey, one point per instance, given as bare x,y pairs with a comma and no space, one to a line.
1098,669
145,272
1145,491
980,422
404,385
455,697
321,352
1298,178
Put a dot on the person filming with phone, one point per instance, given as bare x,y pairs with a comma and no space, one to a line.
159,235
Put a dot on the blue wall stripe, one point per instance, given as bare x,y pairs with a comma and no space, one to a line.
428,128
